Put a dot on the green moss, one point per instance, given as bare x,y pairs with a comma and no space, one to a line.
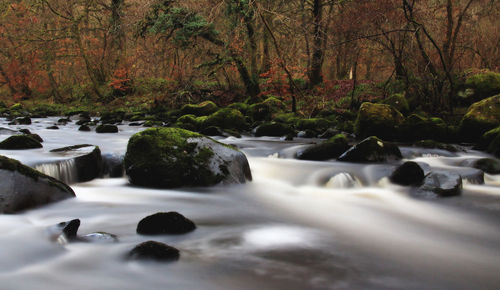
480,118
315,124
399,102
273,129
151,123
484,84
16,107
286,118
377,120
202,109
242,107
163,157
265,110
417,127
227,118
19,142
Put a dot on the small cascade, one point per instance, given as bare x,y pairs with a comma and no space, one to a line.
343,180
63,170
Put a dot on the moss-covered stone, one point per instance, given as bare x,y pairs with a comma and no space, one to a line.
431,144
332,148
399,102
286,118
242,107
106,128
372,149
265,110
315,124
488,165
377,120
227,118
202,109
484,84
151,123
20,142
112,117
480,118
273,129
174,157
417,127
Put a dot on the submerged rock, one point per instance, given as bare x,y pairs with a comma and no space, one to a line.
409,173
329,149
165,223
441,184
372,149
24,188
20,142
156,251
53,127
173,157
88,160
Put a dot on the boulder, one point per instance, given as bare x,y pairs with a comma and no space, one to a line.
484,84
227,119
202,109
84,128
106,128
24,188
440,184
156,251
399,102
21,121
332,148
416,127
112,165
315,124
409,173
377,120
488,165
87,158
20,142
112,117
165,223
480,118
34,136
54,127
272,129
174,157
431,144
265,110
372,149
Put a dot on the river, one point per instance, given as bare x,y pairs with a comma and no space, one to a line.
298,225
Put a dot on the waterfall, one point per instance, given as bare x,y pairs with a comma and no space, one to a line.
64,170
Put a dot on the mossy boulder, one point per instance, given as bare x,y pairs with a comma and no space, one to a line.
488,165
332,148
152,123
21,121
242,107
202,109
84,128
399,102
417,127
315,124
23,187
20,142
265,110
106,128
112,117
273,129
191,122
480,118
490,142
174,157
372,149
379,120
227,118
484,84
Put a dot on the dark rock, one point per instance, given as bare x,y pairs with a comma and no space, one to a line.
84,128
106,128
480,118
99,237
24,188
20,142
88,160
329,133
212,131
25,131
70,228
63,121
431,144
173,157
113,165
34,136
307,134
441,184
23,121
372,149
329,149
53,127
273,129
135,124
409,173
165,223
416,127
152,250
488,165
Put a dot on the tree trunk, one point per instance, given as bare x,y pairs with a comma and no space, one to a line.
315,76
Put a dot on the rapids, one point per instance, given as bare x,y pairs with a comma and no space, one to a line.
298,225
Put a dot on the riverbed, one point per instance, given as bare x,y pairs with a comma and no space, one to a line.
297,225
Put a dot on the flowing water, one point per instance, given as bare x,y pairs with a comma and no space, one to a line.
298,225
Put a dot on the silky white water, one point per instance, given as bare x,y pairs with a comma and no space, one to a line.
298,225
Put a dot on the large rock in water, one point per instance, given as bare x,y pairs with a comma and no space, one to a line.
377,120
88,160
372,149
155,251
441,184
23,187
173,157
332,148
165,223
481,117
409,173
20,142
